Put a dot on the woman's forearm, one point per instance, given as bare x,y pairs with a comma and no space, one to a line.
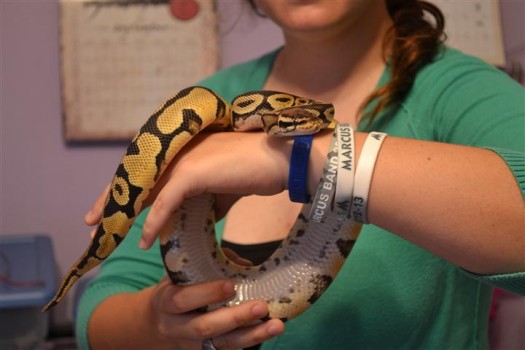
460,203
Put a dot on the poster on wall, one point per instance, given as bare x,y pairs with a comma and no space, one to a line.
121,59
474,27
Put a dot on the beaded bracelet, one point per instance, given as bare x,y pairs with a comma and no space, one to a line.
363,176
297,188
345,171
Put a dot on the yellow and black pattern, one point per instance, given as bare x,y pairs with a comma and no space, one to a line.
162,137
157,142
280,114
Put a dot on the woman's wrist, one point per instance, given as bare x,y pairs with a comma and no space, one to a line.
123,320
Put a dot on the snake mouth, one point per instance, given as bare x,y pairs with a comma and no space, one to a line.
291,122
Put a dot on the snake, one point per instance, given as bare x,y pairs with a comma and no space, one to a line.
300,269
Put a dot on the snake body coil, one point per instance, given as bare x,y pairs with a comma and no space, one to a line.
301,268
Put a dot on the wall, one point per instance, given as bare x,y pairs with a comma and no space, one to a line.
46,185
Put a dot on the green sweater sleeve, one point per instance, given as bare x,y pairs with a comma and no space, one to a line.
512,282
462,100
516,162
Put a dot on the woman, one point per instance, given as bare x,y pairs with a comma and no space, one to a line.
446,217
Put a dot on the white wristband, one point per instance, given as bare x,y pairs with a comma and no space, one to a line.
345,171
363,176
322,202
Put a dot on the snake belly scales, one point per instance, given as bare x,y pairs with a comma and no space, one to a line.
297,273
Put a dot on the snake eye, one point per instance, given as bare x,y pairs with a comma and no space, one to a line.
285,125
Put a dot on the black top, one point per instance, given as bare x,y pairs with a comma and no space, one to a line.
256,253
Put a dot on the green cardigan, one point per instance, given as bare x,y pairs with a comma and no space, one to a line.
390,293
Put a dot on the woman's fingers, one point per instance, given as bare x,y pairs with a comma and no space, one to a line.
178,300
169,198
95,213
249,336
223,320
233,327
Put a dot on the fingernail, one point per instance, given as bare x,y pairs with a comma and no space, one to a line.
142,244
273,330
228,288
258,310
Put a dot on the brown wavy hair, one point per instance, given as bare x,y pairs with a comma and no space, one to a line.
410,44
414,41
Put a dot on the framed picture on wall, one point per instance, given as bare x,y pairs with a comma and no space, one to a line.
120,59
474,26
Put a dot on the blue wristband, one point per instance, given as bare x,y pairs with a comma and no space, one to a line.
299,168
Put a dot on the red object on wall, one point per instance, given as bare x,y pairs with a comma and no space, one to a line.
184,9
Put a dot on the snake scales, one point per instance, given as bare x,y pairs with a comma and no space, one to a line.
300,269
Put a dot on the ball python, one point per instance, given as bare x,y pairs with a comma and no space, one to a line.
297,273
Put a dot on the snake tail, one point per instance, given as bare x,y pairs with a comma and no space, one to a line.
151,150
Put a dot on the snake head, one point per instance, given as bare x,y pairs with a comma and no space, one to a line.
293,121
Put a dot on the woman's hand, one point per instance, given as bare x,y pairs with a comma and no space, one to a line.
165,316
219,163
173,309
